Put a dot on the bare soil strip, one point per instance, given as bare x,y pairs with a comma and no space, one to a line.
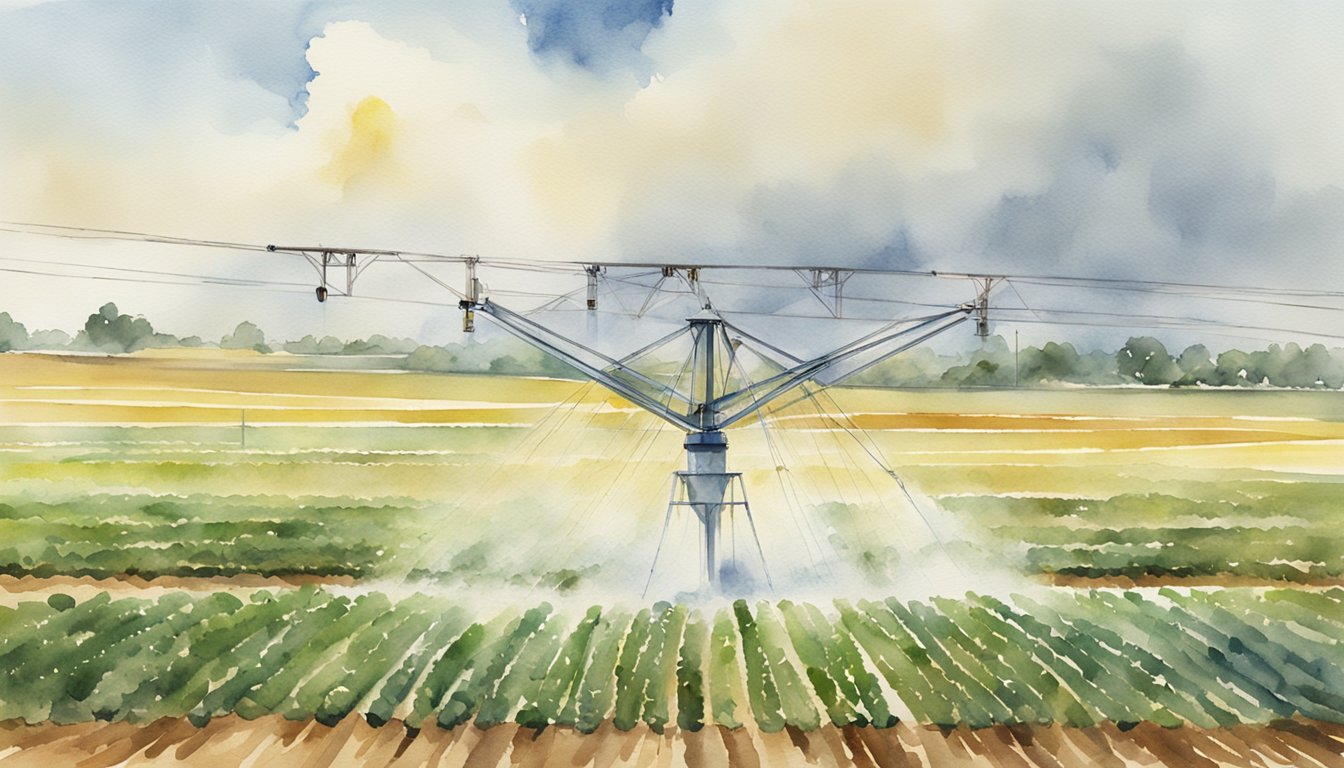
274,741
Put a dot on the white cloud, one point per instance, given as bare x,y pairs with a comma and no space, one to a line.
1142,139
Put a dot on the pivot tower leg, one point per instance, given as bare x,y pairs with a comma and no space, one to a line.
706,481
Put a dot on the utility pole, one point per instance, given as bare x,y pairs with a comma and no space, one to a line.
1014,358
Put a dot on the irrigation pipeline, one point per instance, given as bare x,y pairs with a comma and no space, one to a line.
1246,293
638,289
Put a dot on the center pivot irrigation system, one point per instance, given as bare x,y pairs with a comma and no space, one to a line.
713,390
727,373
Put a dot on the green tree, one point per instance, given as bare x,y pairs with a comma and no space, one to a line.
984,373
50,339
1145,359
111,331
1196,364
13,335
1053,362
990,365
428,358
378,344
311,345
1234,368
1327,369
245,336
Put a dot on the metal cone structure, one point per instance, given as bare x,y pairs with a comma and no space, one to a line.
704,488
706,479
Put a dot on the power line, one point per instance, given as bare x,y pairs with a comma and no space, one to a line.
1253,294
277,287
565,265
1200,292
86,233
158,273
1159,321
1152,285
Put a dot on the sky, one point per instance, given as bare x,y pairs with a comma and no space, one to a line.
1192,141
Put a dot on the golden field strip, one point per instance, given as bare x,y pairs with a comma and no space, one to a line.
924,431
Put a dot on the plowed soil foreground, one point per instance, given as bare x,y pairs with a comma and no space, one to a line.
232,741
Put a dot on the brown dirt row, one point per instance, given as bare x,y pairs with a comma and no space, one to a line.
273,741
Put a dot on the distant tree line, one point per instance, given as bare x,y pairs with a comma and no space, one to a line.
1142,360
106,330
112,332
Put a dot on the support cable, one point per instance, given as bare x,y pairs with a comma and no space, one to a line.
667,519
646,438
201,280
873,522
795,376
460,295
1025,306
534,436
751,521
874,454
522,327
780,468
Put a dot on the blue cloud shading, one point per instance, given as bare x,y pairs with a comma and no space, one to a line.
140,53
599,36
149,58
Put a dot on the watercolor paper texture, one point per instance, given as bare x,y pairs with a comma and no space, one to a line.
547,382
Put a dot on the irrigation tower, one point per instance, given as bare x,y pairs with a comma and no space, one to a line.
714,389
716,395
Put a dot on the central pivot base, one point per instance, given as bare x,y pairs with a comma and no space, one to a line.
709,489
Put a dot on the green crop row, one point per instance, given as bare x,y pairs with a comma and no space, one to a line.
110,536
1180,560
1317,503
1215,658
1288,535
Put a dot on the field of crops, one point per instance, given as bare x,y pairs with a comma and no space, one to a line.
217,465
472,549
1209,659
1267,531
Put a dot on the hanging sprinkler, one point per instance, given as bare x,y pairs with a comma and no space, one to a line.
592,271
473,295
984,284
354,261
